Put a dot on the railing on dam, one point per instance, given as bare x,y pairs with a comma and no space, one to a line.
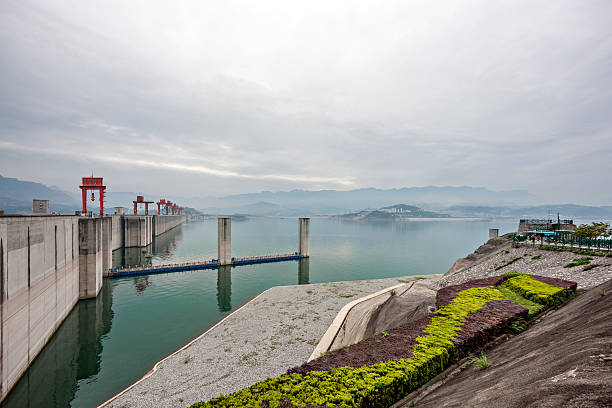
190,266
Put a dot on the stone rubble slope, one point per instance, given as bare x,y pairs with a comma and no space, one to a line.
549,263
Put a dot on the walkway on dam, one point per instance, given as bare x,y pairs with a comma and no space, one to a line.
189,266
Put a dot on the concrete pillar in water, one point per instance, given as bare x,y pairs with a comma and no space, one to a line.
107,243
493,233
224,240
90,257
304,246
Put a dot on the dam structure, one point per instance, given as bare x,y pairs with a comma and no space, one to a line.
50,262
224,254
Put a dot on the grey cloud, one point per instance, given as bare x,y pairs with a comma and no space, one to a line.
292,95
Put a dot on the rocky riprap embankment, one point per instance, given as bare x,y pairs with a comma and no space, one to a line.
486,259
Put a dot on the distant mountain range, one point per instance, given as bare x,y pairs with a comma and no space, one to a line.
335,201
16,197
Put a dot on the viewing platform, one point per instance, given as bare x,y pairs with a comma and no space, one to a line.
190,266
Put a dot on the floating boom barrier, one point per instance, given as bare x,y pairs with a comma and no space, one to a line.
190,266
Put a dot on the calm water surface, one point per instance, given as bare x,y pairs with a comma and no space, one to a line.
108,342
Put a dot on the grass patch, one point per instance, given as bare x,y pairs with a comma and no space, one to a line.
510,262
536,257
420,278
346,296
579,262
309,292
589,267
518,326
392,293
480,362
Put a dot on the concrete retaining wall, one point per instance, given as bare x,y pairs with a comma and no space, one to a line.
39,271
164,223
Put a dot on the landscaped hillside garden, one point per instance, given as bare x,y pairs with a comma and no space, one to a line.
468,316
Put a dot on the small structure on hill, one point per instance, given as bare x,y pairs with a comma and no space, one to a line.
559,226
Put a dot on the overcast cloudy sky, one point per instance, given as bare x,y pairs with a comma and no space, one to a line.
220,97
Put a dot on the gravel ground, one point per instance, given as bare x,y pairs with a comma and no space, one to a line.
274,332
550,264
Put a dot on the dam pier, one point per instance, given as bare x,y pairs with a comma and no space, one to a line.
224,254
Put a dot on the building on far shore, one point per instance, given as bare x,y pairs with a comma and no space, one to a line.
559,226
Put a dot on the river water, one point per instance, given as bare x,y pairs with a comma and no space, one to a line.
108,342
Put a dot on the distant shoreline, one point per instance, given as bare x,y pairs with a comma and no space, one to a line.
412,219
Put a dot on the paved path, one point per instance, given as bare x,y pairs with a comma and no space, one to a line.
274,332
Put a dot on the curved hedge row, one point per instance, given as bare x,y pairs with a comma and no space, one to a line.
381,385
535,290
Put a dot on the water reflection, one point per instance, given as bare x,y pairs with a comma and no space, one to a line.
162,247
141,283
72,354
304,271
224,288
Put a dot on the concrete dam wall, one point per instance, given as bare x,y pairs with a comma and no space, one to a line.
48,263
40,283
164,223
137,230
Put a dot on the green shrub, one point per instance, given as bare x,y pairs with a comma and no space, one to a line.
481,362
579,262
517,326
510,262
534,290
575,251
536,257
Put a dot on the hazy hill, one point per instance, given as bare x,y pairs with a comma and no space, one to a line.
24,191
325,202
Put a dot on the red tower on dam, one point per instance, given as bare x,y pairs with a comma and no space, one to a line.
141,200
167,207
92,183
160,203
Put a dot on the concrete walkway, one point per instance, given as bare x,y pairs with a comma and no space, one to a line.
277,330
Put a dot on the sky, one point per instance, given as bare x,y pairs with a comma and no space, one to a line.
209,98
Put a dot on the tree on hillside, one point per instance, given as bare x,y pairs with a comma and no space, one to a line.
597,229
